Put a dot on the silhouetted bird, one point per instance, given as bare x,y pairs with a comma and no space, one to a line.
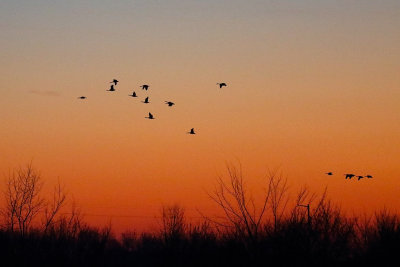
221,85
329,173
111,88
145,87
349,175
169,103
115,81
369,176
133,94
82,97
191,131
359,177
146,100
151,117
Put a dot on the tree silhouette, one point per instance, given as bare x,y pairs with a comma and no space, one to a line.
173,222
53,207
239,207
23,200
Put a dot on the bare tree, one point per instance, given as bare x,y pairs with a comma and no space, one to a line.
314,206
173,222
279,198
70,224
239,208
52,208
364,228
23,200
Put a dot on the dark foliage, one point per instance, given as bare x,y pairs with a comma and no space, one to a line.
329,240
317,236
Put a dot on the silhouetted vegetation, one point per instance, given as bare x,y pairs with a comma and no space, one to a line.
277,233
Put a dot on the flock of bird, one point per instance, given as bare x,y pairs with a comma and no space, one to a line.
350,175
145,87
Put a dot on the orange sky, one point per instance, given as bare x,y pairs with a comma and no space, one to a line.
312,87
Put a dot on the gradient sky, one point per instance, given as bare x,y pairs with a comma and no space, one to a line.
313,86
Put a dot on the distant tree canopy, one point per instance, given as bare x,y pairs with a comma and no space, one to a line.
267,233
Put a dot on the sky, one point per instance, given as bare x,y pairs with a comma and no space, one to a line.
313,86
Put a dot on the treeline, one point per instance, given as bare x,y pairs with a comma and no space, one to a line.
304,231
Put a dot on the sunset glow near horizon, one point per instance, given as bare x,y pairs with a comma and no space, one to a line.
313,86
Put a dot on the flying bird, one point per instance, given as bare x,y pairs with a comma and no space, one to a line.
369,176
329,173
115,81
349,175
359,177
151,117
169,103
146,100
82,97
145,87
191,131
133,94
221,85
111,88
